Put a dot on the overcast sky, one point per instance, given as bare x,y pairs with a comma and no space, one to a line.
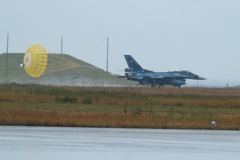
202,36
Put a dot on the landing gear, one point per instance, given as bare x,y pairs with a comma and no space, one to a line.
153,85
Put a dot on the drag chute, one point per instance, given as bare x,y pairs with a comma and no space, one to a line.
35,61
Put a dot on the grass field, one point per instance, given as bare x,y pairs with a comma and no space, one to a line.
132,107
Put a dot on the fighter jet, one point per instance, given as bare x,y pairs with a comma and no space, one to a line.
135,72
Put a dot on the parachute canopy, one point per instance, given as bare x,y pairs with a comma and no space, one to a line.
35,60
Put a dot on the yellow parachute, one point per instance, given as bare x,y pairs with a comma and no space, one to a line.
35,60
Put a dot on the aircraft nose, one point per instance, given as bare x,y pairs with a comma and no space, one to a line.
201,78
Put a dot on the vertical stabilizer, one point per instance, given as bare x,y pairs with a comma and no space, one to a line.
132,63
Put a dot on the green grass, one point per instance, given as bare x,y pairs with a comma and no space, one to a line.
193,108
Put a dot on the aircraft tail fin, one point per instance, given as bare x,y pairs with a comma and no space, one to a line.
132,63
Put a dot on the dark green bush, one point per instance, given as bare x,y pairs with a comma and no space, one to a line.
67,99
87,100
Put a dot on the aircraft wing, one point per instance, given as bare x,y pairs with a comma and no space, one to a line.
156,77
140,76
168,76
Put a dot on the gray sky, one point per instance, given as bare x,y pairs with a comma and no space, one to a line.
202,36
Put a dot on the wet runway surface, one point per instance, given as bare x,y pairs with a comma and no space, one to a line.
60,143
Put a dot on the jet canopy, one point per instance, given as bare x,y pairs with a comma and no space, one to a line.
185,71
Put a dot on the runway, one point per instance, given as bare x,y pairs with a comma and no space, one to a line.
115,143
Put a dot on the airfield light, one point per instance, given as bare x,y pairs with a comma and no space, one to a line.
22,65
213,123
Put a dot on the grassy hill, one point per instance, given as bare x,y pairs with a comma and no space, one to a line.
61,70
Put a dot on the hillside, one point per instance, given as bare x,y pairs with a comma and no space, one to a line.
61,70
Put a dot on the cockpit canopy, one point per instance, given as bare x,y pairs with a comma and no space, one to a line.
185,71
